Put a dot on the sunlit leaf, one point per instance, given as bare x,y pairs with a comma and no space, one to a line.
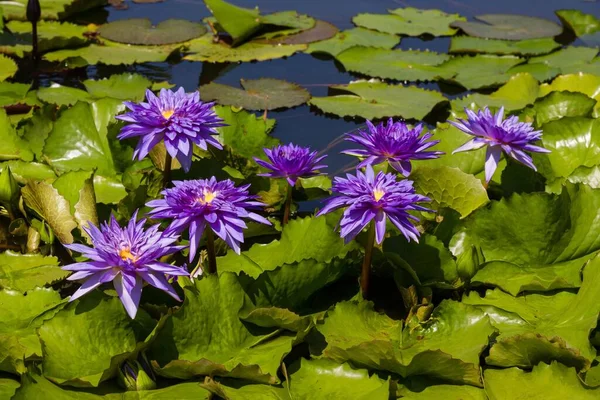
479,71
55,9
24,272
554,381
446,347
62,95
122,87
410,21
7,67
354,37
12,146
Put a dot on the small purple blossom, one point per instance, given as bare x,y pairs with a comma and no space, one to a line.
194,204
374,197
291,162
499,134
180,119
127,256
394,142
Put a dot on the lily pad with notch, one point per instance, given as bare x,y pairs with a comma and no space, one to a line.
375,99
257,94
509,27
140,31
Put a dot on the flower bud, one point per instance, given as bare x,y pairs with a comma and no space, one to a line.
34,11
134,375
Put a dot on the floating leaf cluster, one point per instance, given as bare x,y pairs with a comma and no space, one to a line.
484,281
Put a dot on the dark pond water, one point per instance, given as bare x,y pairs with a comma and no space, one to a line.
303,125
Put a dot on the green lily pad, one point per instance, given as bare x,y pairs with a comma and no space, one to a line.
62,95
289,19
75,143
372,99
573,143
428,259
12,146
435,392
557,105
245,134
468,44
240,23
113,54
51,35
582,83
447,347
410,21
554,381
123,87
509,27
257,94
450,187
521,90
77,188
100,335
538,328
25,171
21,316
479,71
8,386
530,232
204,49
290,249
312,380
402,65
321,31
580,23
8,68
17,93
54,9
37,387
570,60
193,341
51,207
354,37
139,31
24,272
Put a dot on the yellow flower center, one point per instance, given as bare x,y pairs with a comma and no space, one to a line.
207,197
378,194
168,113
125,254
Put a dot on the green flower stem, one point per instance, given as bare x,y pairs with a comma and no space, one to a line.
288,205
167,170
210,249
365,274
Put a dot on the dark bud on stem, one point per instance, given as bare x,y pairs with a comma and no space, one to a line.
34,11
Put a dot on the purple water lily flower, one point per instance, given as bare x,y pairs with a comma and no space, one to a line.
394,142
371,197
127,256
291,162
499,134
194,204
180,119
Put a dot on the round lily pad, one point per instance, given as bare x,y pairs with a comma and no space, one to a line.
258,94
140,31
509,27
